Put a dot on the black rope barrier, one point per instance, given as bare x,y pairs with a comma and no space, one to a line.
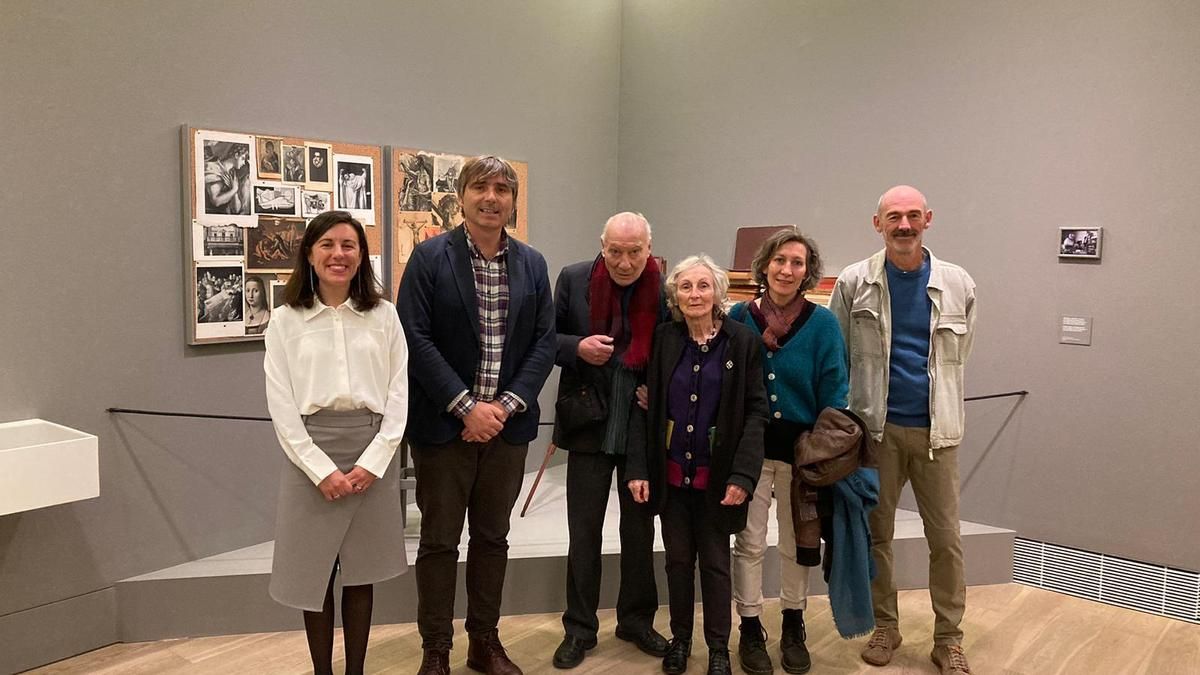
165,413
247,418
1006,394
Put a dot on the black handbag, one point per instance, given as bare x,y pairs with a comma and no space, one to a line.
579,407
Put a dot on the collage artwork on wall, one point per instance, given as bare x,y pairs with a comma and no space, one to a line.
249,197
425,201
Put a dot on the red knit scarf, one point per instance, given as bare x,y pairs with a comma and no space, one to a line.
606,316
779,319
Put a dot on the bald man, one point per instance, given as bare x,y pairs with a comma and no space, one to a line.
908,319
606,310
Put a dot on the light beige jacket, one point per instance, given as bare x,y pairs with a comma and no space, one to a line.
863,308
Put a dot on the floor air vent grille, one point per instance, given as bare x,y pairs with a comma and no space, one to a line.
1116,581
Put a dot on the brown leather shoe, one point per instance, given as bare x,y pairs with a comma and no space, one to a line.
435,662
486,654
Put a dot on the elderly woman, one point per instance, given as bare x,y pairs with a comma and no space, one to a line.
337,390
258,306
697,458
804,367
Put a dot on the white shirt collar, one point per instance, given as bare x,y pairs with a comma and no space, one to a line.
318,307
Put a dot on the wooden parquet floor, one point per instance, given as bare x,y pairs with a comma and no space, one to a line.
1010,630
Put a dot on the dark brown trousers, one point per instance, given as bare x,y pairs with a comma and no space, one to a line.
479,482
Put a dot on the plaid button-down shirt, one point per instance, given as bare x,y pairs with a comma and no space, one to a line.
491,294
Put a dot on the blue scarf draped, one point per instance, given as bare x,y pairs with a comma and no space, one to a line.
852,568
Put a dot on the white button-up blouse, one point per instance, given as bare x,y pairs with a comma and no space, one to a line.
342,359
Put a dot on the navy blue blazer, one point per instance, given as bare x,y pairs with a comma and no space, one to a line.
440,315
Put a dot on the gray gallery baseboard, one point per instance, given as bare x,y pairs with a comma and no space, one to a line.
41,635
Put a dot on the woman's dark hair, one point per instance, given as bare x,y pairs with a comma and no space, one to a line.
365,291
812,262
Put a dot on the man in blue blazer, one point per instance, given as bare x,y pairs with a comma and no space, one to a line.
476,308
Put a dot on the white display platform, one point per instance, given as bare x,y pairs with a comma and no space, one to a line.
43,464
226,594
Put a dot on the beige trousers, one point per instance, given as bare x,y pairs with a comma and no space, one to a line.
904,456
750,545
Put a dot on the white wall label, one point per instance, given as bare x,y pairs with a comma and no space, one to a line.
1075,330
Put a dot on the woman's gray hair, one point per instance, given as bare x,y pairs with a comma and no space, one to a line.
720,284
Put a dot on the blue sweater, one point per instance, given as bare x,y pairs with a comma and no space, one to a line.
908,385
806,375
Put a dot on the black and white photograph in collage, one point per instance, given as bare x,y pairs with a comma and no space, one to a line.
273,199
445,171
313,204
222,240
446,210
415,179
226,178
294,162
257,311
219,300
272,246
319,157
1079,242
277,294
354,185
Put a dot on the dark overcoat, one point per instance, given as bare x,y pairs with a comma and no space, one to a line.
573,323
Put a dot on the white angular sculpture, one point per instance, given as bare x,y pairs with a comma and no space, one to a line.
31,451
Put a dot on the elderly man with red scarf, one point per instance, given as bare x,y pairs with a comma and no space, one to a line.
606,310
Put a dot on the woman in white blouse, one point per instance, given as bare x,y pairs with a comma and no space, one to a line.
337,389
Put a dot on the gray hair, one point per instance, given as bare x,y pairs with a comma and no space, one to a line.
720,284
630,216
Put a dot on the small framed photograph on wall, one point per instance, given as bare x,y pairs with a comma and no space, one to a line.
1080,242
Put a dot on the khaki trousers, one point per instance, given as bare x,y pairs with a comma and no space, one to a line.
750,545
904,456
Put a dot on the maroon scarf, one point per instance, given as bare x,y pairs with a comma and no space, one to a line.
779,319
607,319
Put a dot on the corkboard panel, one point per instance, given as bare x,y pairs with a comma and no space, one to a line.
217,255
420,210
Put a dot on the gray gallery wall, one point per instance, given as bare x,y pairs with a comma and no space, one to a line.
93,98
1015,118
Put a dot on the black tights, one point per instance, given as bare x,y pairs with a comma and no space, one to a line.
357,603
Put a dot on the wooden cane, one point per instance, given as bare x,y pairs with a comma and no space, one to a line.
533,488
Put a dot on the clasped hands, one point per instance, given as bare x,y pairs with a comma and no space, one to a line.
485,420
337,484
734,494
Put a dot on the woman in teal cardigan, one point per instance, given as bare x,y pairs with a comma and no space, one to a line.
804,369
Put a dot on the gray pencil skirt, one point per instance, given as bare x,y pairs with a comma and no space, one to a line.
363,532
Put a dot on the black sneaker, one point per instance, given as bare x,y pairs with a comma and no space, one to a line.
718,661
795,657
675,661
752,647
571,651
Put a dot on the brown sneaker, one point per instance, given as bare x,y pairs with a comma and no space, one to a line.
883,642
950,659
486,654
